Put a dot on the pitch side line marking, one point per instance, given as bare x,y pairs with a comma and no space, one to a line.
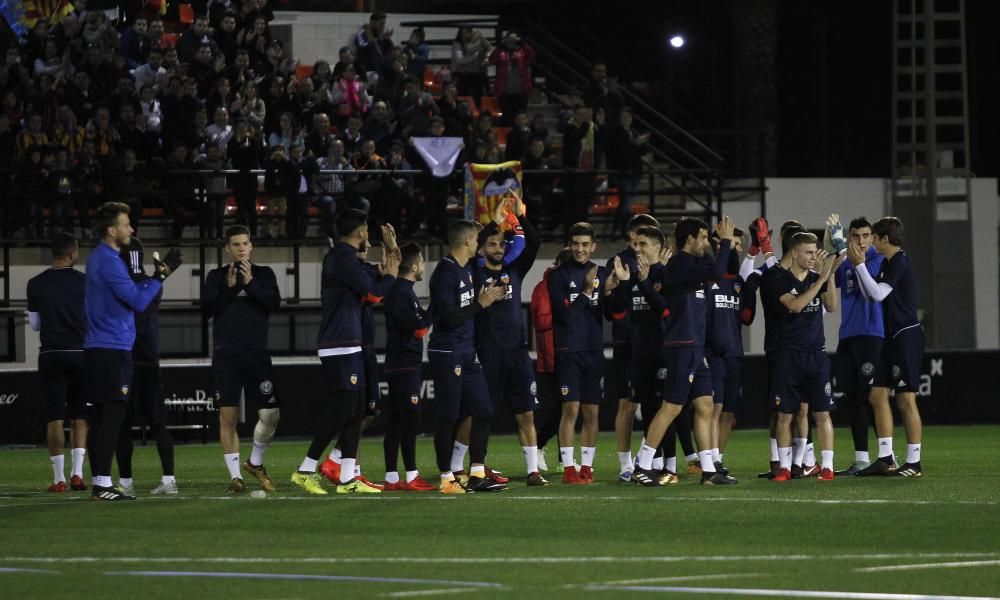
16,570
413,593
675,579
307,577
778,593
487,560
947,565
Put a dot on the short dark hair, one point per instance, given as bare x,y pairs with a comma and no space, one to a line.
350,220
378,16
688,227
63,244
410,254
582,228
107,214
564,256
788,230
642,220
459,230
236,230
652,233
802,237
891,228
859,223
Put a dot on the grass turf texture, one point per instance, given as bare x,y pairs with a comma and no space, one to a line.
556,541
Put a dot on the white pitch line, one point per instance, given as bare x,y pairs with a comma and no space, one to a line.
946,565
779,593
676,579
414,593
16,570
468,585
489,560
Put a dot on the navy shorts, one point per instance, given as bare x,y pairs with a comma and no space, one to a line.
248,372
459,384
509,376
856,362
147,393
621,358
727,381
687,375
62,384
107,375
373,395
647,381
404,390
345,372
801,377
578,376
902,359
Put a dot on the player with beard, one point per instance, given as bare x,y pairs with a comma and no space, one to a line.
501,338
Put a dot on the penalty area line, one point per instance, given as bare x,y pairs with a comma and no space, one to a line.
307,577
944,565
772,593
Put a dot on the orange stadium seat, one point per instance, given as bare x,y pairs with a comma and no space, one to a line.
490,104
186,13
303,71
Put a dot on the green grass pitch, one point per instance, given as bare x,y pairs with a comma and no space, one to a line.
850,538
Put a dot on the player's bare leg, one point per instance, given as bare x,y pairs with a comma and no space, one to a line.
463,437
906,402
714,443
885,465
229,439
623,433
567,441
824,431
588,441
783,434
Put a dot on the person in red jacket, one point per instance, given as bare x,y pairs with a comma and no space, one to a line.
549,413
513,81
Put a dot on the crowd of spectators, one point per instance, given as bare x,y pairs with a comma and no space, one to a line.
117,99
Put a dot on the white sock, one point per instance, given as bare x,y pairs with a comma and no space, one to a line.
716,457
58,468
785,458
625,461
657,463
566,456
913,453
233,464
587,456
411,475
691,457
125,482
810,458
257,454
721,454
458,456
335,455
78,454
346,469
671,464
862,457
884,446
646,457
705,457
448,476
168,479
774,449
357,469
101,480
477,471
530,458
392,477
827,458
798,450
308,465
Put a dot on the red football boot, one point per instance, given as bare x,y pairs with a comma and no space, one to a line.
76,482
571,477
782,475
370,484
826,475
419,485
58,488
587,474
330,470
496,476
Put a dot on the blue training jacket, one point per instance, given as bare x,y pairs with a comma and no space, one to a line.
859,315
111,299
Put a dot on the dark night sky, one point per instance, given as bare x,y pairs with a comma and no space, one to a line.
834,70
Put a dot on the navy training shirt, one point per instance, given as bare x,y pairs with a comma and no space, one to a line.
685,316
802,331
406,325
56,294
240,314
621,332
501,325
724,332
345,285
899,309
453,306
577,320
640,304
